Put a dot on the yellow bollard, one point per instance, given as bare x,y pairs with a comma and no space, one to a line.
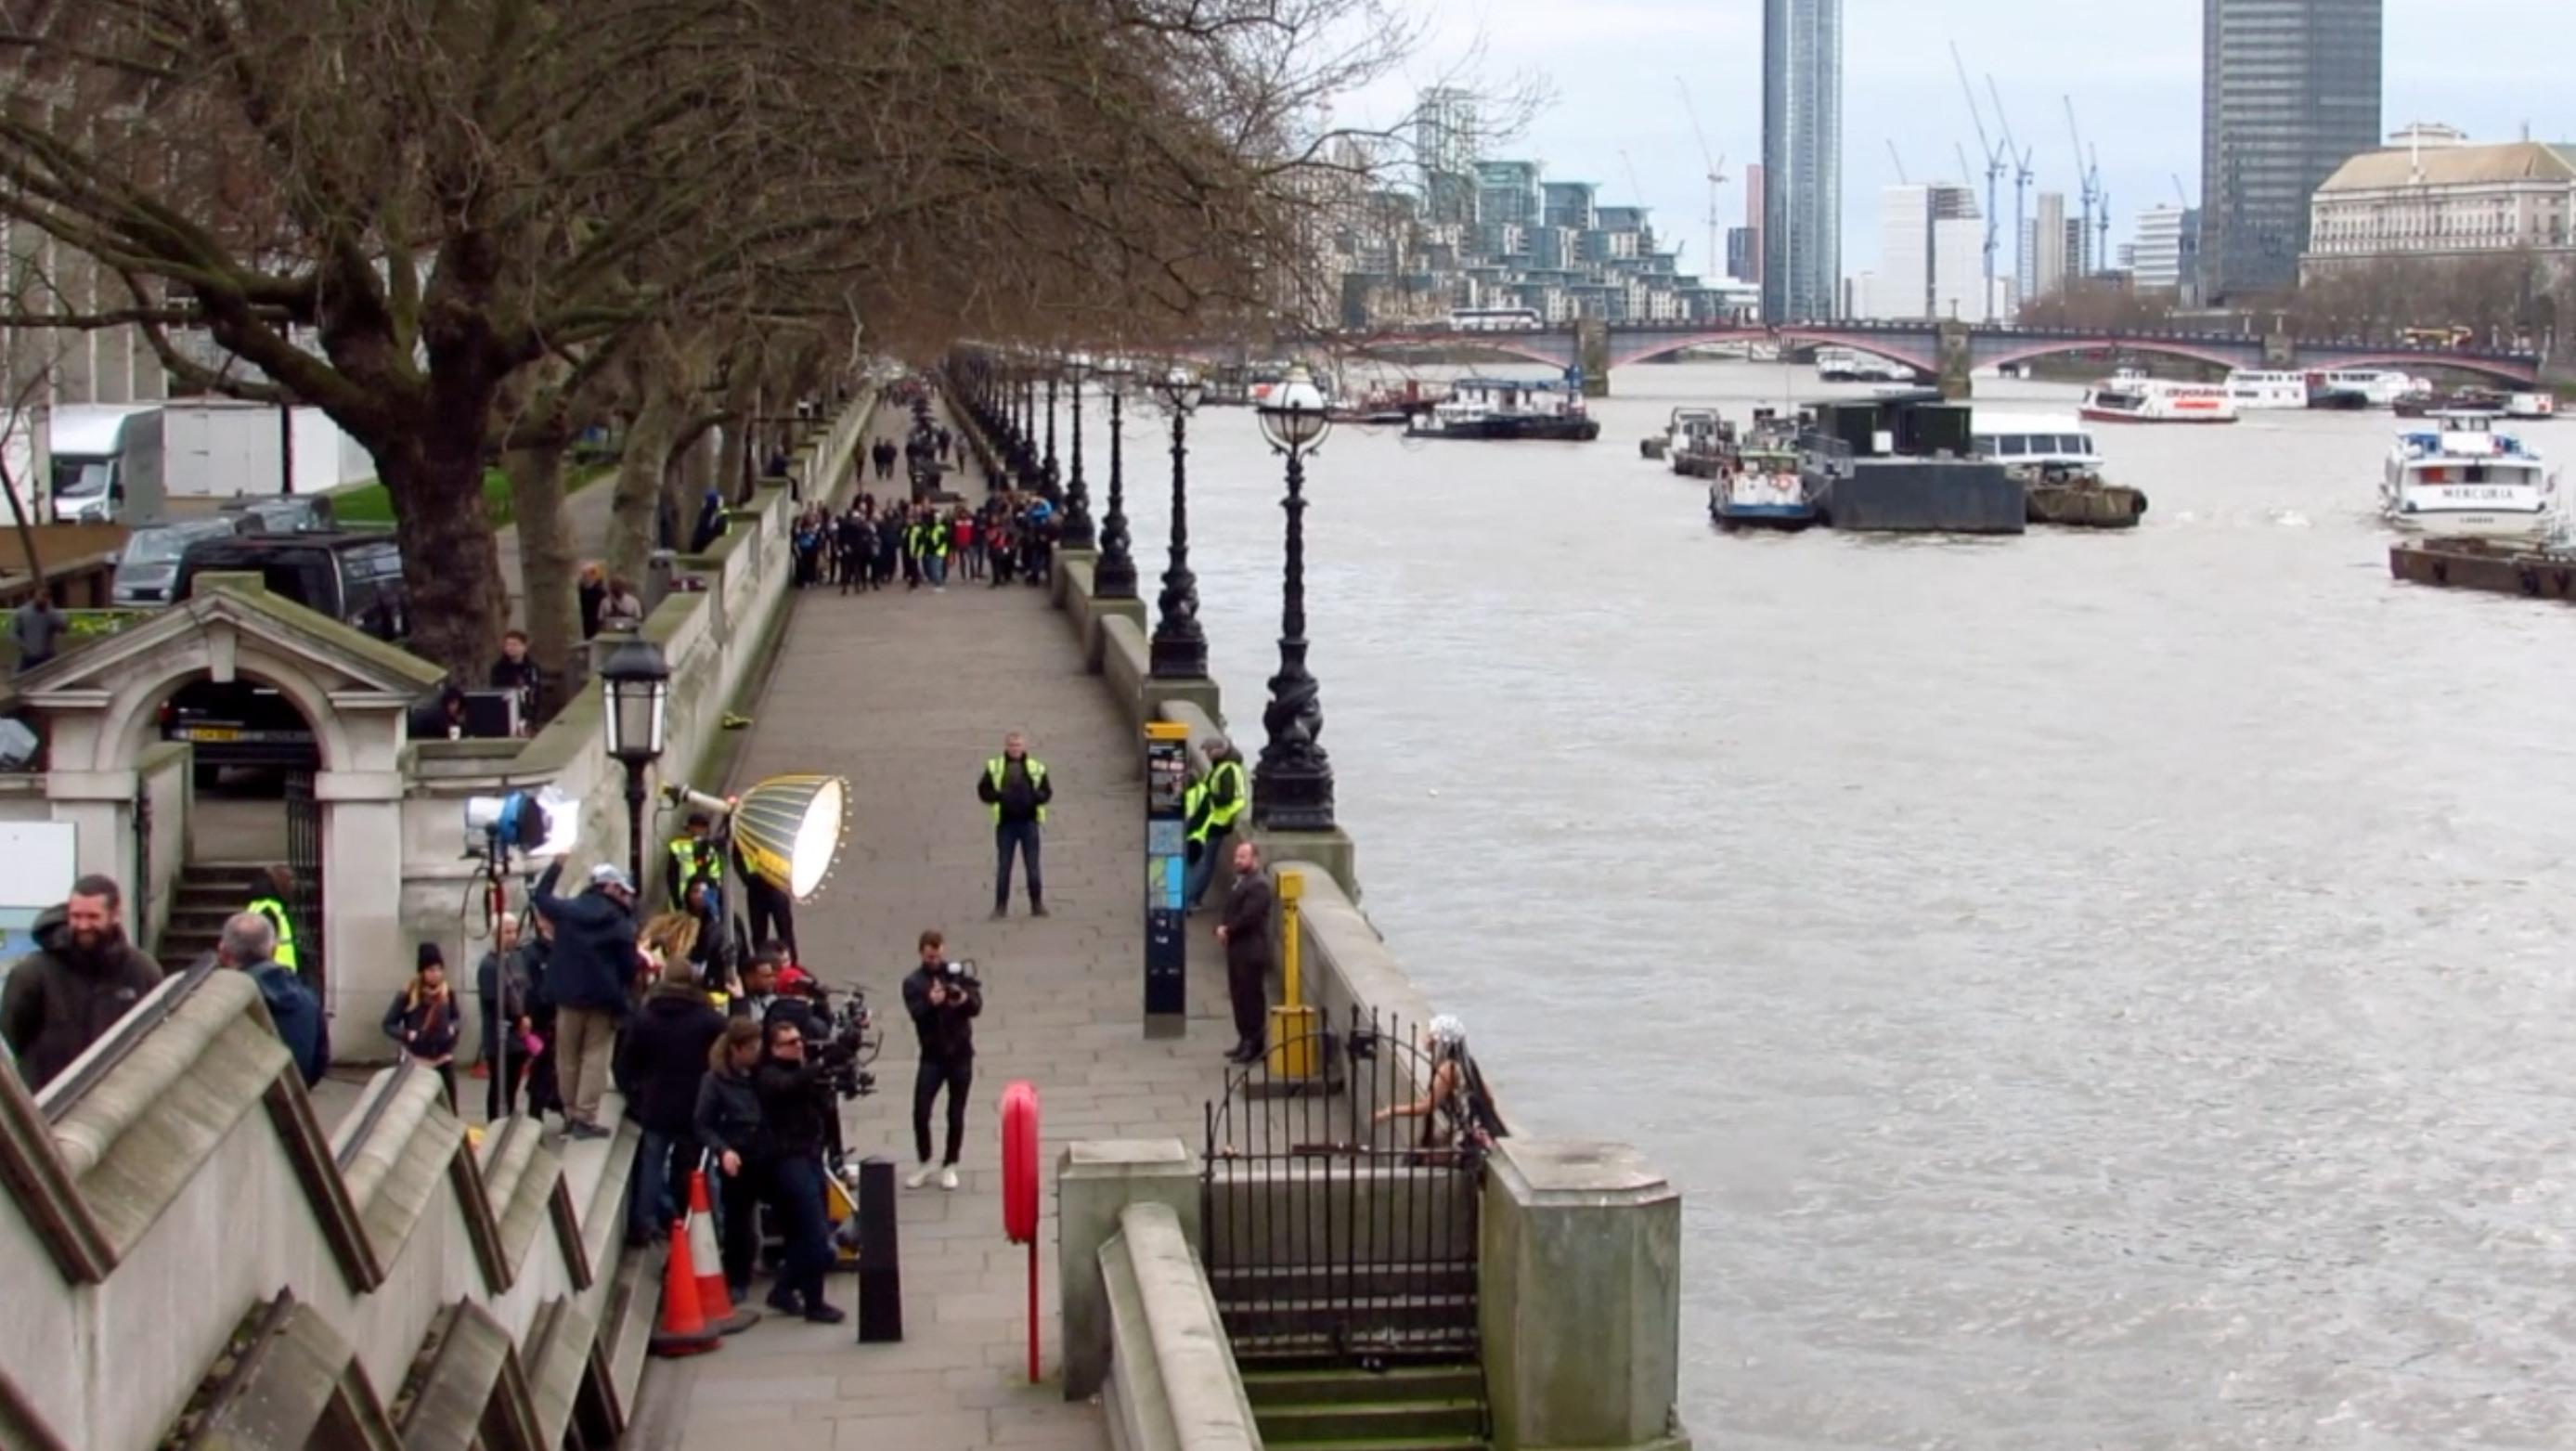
1294,1035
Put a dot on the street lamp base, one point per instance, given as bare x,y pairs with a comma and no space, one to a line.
1179,654
1114,578
1293,791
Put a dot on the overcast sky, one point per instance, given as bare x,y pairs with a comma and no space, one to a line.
2133,70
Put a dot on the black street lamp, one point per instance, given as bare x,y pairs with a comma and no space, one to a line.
637,683
1053,490
1292,789
1114,577
1077,499
1179,645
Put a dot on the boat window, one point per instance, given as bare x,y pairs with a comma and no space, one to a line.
2015,445
1983,443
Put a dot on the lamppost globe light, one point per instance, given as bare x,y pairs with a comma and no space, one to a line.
637,680
1113,374
1180,390
1292,417
1077,366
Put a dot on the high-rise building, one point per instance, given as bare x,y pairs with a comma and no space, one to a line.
1802,147
1911,268
2166,255
1507,193
1959,268
2077,255
1567,204
1752,270
1444,146
2043,252
2289,91
1743,254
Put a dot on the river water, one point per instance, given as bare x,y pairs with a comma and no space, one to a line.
2093,990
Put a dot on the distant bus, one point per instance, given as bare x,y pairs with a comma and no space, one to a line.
1495,320
2437,337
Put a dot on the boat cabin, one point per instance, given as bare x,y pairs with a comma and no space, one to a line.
2035,440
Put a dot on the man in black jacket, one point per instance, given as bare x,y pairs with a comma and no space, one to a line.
81,978
661,1061
943,1002
1246,935
1016,788
794,1103
586,978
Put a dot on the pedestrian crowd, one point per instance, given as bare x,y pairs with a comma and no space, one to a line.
867,547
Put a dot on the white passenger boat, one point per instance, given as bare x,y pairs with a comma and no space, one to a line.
2252,390
2464,478
1850,365
1508,408
2378,387
2531,405
2128,398
2036,445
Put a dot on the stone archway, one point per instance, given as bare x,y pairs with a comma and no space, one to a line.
98,709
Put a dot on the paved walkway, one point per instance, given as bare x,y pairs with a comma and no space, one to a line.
906,695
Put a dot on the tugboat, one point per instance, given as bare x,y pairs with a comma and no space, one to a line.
1698,442
1507,409
1761,487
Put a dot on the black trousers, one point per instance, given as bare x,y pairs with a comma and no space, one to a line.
933,1075
1022,837
740,1202
1244,983
773,914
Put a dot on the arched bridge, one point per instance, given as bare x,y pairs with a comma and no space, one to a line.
1919,345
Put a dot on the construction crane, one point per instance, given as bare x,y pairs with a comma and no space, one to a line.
2101,217
2182,198
1630,167
1716,172
1994,157
2022,175
1901,179
2091,176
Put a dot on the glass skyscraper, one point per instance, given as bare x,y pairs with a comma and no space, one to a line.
2289,91
1802,158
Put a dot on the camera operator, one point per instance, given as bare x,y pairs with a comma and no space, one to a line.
943,999
727,1121
795,1104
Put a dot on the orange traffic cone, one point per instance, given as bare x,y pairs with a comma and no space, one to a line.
715,1298
684,1327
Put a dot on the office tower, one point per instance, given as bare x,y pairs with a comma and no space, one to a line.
1444,146
2167,247
1802,143
1752,271
2044,253
2289,91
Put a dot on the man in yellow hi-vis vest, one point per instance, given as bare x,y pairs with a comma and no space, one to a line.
1015,785
1216,800
269,889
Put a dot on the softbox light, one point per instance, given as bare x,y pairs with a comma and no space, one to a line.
789,830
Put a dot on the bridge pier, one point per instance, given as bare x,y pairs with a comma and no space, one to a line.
1956,368
1592,354
2280,351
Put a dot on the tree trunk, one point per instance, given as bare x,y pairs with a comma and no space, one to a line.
451,565
547,561
639,481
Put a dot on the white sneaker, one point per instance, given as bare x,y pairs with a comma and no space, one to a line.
918,1177
948,1178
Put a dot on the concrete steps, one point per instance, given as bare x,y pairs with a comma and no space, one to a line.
207,894
1407,1408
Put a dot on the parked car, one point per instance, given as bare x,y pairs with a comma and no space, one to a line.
354,575
240,723
285,513
147,572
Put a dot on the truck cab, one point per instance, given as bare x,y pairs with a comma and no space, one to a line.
107,462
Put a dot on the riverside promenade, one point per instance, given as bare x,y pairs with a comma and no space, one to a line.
907,694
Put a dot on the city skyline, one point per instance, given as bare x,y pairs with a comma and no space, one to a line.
2139,107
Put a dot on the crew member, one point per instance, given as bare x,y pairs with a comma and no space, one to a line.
943,1002
694,856
269,887
1213,803
1016,787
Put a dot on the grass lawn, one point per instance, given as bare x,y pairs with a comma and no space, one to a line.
366,504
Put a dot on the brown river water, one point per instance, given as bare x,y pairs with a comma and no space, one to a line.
2094,990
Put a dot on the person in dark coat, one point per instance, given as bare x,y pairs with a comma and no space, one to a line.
501,991
249,944
727,1123
1246,935
587,978
81,978
711,523
422,1018
592,593
943,1003
662,1058
794,1101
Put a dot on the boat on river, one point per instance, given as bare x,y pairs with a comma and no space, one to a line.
1497,409
2131,398
1761,486
2463,478
2053,458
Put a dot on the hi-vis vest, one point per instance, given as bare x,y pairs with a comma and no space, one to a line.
687,854
275,911
998,766
1208,814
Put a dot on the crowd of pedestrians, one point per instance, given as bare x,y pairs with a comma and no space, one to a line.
874,544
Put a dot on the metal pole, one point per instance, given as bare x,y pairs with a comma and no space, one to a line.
1077,498
1054,491
1115,576
635,825
1293,789
1179,644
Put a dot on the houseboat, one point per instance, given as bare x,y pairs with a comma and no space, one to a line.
1507,408
2463,478
2129,398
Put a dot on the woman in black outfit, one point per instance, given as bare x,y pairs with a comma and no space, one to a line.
793,1103
728,1124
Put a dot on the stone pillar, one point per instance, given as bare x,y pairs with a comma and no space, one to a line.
1592,352
365,959
1956,366
2280,350
1095,1181
1579,1291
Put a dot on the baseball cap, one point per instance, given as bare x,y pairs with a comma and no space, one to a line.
605,875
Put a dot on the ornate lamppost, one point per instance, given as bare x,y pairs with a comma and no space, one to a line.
1114,577
1077,498
1179,645
1292,790
1048,485
637,680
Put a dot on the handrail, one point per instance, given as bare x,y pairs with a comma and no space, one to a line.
96,1062
373,1114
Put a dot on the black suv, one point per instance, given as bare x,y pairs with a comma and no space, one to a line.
353,576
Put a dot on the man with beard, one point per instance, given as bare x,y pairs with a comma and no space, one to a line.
81,978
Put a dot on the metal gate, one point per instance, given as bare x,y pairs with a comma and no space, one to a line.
138,888
1333,1238
304,860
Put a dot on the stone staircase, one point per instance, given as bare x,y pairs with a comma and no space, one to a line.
1404,1408
207,894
